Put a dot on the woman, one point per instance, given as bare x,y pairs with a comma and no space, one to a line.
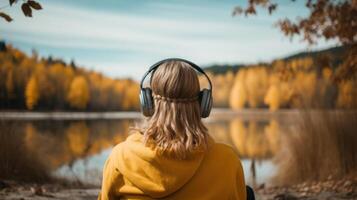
172,156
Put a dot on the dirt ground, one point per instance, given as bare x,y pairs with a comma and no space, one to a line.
316,191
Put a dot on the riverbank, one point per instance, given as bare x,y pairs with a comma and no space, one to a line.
342,189
216,114
10,190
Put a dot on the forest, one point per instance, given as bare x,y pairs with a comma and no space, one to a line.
305,80
33,83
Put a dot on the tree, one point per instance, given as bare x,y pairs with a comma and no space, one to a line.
347,95
256,84
78,96
329,19
27,6
238,96
272,98
10,82
32,93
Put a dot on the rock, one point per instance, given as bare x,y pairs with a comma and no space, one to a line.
304,194
347,184
305,189
37,191
261,186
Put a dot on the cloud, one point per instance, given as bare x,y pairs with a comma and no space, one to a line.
135,40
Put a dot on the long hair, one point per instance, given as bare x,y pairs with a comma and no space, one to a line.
175,128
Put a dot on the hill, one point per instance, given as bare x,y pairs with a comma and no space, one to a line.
333,55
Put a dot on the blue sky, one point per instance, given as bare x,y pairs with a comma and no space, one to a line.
122,38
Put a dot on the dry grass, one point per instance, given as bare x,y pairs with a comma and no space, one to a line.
322,145
16,161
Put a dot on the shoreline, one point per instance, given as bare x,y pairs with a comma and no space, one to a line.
341,189
217,113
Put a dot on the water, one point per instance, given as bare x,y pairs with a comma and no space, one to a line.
76,148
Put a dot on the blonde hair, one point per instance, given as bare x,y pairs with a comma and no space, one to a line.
175,128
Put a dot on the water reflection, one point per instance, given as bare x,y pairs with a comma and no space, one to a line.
77,149
64,142
251,139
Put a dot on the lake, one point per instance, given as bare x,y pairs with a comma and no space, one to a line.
76,145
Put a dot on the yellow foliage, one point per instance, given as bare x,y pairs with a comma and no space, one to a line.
222,85
327,73
293,83
304,88
78,95
32,93
238,95
256,83
131,100
347,94
272,98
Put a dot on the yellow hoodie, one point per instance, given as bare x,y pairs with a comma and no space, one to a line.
134,171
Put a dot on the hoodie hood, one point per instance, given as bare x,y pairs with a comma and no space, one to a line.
154,174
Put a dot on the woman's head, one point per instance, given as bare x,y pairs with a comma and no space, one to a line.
175,127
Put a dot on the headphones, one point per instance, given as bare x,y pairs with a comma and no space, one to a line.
147,101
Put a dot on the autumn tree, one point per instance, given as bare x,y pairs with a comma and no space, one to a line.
328,19
54,82
32,93
273,97
347,95
256,85
78,95
238,96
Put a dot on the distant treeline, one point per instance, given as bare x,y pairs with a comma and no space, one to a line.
304,80
335,56
30,82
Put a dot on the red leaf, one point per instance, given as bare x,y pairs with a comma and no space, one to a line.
250,11
5,16
26,10
34,5
12,2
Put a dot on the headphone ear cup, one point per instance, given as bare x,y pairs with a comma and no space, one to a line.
205,102
150,101
146,102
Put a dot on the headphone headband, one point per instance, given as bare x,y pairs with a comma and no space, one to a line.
193,65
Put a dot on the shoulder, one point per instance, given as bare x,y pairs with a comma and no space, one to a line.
225,152
224,148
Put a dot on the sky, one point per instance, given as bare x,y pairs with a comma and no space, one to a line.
122,38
